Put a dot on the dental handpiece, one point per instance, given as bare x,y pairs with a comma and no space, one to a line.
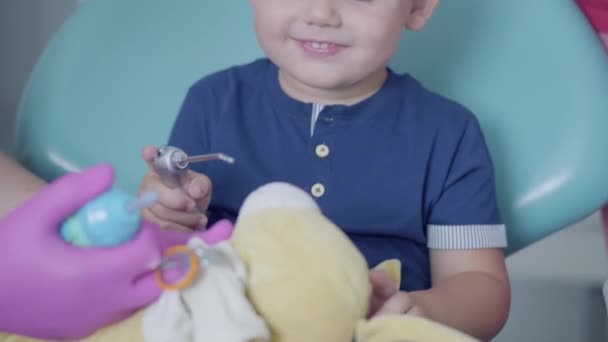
171,164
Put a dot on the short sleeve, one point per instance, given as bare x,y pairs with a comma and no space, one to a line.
466,214
188,131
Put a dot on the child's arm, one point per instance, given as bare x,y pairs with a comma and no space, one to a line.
469,283
470,291
465,236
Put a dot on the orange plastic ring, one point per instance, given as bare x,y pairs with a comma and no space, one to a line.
188,278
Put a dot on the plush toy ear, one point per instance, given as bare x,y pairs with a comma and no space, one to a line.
305,277
277,195
392,328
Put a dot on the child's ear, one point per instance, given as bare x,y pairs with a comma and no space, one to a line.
420,14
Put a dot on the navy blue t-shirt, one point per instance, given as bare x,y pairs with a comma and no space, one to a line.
401,172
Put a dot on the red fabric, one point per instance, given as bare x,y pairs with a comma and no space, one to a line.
597,13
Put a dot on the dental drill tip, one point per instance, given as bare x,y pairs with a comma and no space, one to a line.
228,159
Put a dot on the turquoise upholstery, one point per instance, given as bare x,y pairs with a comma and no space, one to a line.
114,76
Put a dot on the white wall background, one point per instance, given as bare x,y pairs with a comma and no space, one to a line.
556,283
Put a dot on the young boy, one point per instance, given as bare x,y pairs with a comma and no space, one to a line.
405,172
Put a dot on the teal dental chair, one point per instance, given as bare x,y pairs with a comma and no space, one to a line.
113,78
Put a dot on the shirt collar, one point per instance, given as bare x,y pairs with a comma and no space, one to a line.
379,102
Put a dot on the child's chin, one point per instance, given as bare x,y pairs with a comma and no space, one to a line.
324,79
329,84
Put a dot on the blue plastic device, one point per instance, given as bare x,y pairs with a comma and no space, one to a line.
109,220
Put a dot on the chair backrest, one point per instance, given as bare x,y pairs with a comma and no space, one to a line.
114,76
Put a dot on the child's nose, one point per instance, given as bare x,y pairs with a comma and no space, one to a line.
323,13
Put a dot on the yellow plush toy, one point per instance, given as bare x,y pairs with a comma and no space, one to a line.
294,275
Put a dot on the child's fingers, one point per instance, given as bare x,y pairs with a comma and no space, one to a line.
175,199
382,289
198,186
184,218
174,226
399,303
382,283
148,153
163,224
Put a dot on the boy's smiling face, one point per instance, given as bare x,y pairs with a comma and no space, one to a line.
336,47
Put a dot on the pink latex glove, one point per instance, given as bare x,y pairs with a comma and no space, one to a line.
50,289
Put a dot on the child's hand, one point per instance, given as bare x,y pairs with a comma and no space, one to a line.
179,208
386,299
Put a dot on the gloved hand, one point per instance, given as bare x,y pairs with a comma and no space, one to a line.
50,289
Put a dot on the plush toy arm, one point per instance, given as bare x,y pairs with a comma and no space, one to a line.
398,328
128,330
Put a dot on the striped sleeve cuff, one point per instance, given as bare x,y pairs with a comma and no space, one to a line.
466,236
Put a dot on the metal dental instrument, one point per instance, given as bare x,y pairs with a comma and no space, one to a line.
208,157
171,163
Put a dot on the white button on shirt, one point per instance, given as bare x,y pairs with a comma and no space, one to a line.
322,150
317,190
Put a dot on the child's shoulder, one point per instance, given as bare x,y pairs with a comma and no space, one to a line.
434,109
239,75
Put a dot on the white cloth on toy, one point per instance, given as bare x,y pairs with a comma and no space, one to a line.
213,308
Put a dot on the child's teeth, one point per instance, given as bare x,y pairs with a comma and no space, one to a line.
320,46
